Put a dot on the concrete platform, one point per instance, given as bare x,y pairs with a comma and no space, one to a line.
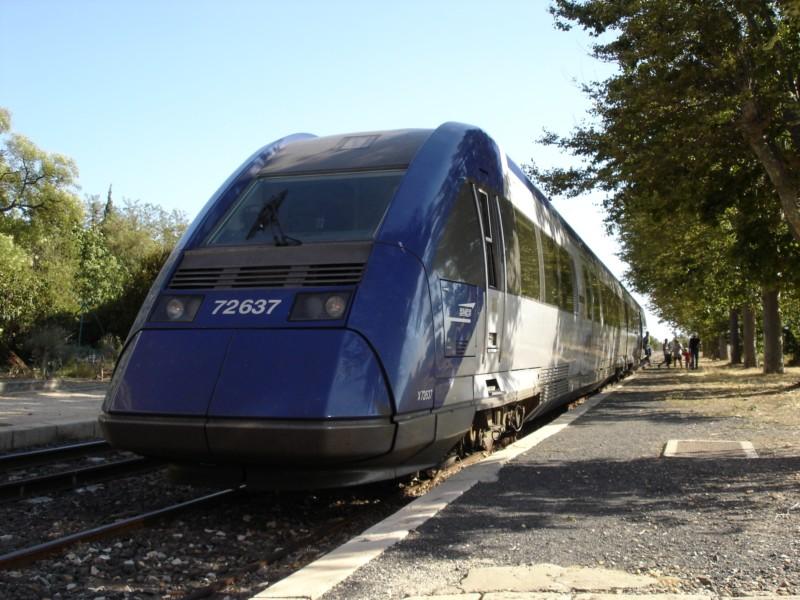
38,413
592,596
589,508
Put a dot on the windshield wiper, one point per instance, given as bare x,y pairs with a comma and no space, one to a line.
268,215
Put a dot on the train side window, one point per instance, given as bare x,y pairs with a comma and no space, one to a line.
608,310
459,256
491,265
612,315
588,292
529,258
513,247
550,259
498,243
608,306
597,315
566,285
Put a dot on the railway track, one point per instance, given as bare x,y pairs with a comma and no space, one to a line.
71,478
63,476
28,555
42,456
25,556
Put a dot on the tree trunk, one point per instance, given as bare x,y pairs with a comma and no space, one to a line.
779,170
749,336
722,345
736,343
773,335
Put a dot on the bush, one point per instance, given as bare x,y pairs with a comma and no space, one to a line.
109,347
48,348
80,369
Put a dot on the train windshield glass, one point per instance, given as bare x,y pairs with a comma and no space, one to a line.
286,211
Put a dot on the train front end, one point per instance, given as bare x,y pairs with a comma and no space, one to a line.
283,343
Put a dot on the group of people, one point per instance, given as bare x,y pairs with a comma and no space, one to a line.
678,354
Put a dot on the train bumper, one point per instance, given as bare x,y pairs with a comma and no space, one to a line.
249,441
252,396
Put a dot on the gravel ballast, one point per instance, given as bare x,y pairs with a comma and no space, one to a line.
231,549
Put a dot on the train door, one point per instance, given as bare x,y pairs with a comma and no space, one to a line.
494,253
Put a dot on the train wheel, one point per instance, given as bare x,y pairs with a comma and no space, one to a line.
487,440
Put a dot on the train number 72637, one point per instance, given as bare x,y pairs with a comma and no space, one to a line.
245,307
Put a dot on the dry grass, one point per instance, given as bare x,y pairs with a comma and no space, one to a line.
721,390
768,405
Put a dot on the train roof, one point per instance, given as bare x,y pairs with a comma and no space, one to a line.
352,152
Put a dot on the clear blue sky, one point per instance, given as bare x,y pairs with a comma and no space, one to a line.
166,99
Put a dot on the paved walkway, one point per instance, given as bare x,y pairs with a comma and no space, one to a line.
595,509
32,417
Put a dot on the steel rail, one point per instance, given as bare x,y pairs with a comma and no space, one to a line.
25,556
75,477
17,460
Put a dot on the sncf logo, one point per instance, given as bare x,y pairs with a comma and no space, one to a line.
465,310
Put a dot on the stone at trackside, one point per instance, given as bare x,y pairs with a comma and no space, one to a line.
551,578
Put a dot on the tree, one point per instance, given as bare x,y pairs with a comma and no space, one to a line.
119,313
728,67
40,218
29,176
17,289
669,140
100,275
61,260
136,230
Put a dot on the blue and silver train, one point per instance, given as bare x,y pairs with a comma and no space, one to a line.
350,308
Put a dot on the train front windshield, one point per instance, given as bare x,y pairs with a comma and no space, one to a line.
286,211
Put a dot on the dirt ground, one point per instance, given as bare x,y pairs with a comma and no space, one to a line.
765,406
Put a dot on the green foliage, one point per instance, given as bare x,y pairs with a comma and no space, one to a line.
100,276
78,368
65,264
706,92
29,177
5,120
16,281
137,230
39,217
677,142
118,314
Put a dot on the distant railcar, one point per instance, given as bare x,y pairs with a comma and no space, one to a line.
350,308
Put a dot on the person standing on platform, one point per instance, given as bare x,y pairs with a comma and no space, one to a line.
667,353
677,351
694,349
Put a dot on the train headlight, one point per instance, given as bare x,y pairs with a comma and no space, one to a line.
320,307
335,306
176,309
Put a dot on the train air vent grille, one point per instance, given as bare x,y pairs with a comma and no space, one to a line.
554,382
267,276
461,347
555,389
